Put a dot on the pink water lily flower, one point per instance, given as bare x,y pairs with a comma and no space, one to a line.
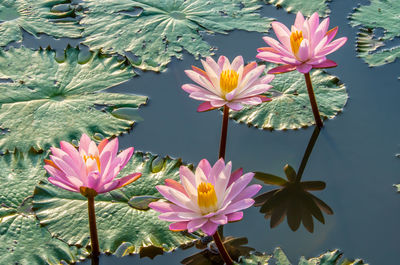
91,168
224,83
303,47
210,197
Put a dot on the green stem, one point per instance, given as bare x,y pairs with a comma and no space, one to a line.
92,226
313,102
222,250
307,153
224,133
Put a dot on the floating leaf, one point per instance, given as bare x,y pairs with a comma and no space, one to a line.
65,213
22,239
397,186
307,7
290,106
45,100
151,32
380,14
279,258
56,18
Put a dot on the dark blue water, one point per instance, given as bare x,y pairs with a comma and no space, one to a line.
354,154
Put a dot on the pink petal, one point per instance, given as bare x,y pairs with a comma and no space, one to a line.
195,224
102,144
254,100
253,91
282,33
216,170
190,88
282,69
120,182
176,197
298,23
219,219
326,64
209,228
304,50
165,207
125,156
304,68
64,166
333,46
204,96
205,106
291,61
75,166
264,98
180,226
248,68
248,192
176,185
217,103
237,187
269,57
84,144
332,33
201,80
240,205
320,32
277,46
205,166
237,63
222,180
235,106
172,217
235,176
71,151
62,185
313,22
210,61
221,62
233,217
111,147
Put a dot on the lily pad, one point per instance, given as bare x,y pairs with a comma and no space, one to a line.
151,32
380,14
55,18
22,239
290,106
65,213
44,99
397,186
279,258
307,7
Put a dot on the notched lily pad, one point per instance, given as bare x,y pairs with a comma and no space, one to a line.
150,32
22,239
55,18
120,226
290,106
280,258
380,14
48,100
307,7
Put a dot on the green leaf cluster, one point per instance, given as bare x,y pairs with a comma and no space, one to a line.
306,7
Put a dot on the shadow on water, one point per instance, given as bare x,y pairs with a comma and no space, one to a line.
293,199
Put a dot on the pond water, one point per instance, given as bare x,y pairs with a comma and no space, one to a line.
354,153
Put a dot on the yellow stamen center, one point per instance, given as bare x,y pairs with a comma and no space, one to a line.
295,40
228,81
206,198
92,157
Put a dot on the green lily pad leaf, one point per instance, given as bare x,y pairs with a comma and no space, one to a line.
380,14
397,186
56,18
306,7
154,31
280,258
65,213
45,100
290,106
142,202
270,179
22,239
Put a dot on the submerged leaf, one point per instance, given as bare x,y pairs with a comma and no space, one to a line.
64,213
151,32
307,7
379,14
290,106
45,100
55,18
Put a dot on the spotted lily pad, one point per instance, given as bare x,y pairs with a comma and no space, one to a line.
154,31
56,18
65,213
22,239
379,14
290,106
44,99
307,7
279,258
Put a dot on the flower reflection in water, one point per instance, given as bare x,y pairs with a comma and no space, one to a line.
293,199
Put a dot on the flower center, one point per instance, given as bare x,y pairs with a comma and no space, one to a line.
206,198
91,162
228,81
295,40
